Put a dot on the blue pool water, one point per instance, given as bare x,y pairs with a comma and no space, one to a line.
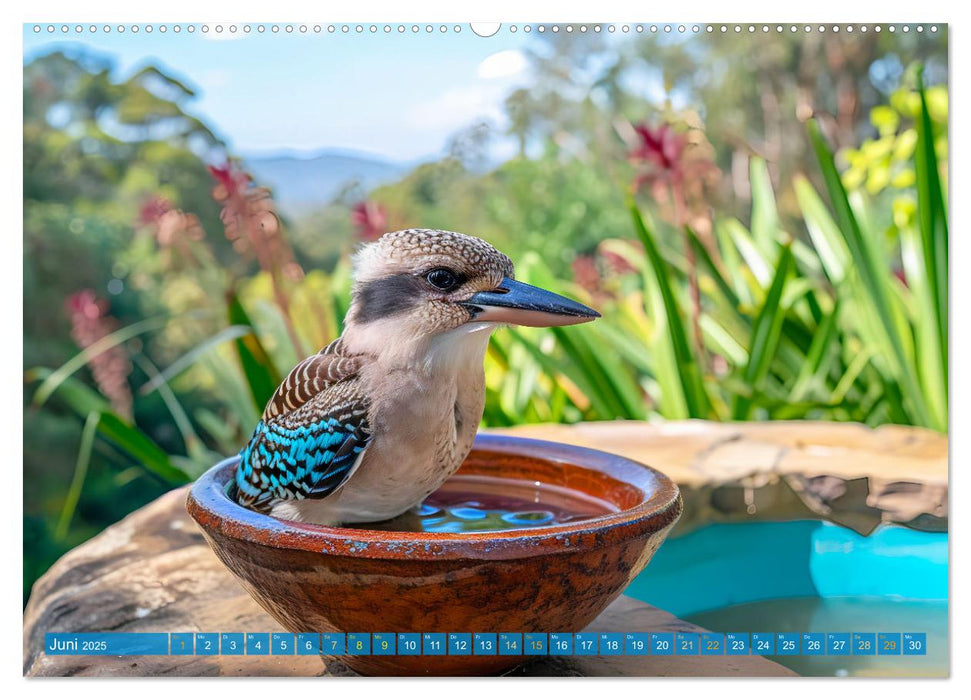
809,576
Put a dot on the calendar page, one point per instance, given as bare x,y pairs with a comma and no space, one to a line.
496,349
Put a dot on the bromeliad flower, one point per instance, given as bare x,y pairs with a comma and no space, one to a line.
249,215
661,147
677,169
670,160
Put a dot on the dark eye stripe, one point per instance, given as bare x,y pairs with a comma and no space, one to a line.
386,297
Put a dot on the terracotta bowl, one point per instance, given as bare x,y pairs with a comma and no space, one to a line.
544,579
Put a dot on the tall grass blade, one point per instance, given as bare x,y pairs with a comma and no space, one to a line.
695,397
129,438
192,356
932,215
873,279
80,474
54,380
262,378
765,217
765,335
140,447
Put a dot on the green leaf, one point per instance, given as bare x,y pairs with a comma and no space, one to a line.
223,431
732,258
192,356
117,430
262,378
79,396
813,370
583,362
765,335
874,280
554,366
765,218
825,234
705,262
932,215
933,375
201,456
80,473
687,371
859,362
752,256
606,370
722,340
140,447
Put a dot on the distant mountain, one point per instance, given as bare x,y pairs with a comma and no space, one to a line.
302,183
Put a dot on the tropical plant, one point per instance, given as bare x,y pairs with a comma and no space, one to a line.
846,322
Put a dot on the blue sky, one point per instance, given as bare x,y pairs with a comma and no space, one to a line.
397,95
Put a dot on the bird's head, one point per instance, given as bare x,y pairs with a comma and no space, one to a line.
420,283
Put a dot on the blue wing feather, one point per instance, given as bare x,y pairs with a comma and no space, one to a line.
305,461
310,450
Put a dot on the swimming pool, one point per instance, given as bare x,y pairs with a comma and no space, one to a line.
809,576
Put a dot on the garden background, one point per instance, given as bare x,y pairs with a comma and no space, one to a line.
761,218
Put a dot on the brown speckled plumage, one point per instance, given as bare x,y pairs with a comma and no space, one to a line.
310,377
419,247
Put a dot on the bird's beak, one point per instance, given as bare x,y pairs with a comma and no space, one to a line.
526,305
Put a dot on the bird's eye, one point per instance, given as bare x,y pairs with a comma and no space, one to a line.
442,278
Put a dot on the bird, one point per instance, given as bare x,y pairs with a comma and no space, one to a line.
376,421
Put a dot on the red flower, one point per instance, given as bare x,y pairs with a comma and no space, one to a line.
370,219
668,159
230,181
661,147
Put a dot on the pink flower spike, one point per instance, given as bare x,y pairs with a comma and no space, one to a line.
230,180
370,219
152,210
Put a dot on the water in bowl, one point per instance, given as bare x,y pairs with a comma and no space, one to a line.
477,503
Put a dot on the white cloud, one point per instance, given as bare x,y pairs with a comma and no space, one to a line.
503,64
458,107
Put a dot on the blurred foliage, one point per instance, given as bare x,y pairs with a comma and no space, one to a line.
777,288
848,323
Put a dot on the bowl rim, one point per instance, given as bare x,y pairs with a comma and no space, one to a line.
221,517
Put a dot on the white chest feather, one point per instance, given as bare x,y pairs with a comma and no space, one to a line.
423,420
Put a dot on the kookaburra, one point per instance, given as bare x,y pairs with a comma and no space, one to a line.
377,420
